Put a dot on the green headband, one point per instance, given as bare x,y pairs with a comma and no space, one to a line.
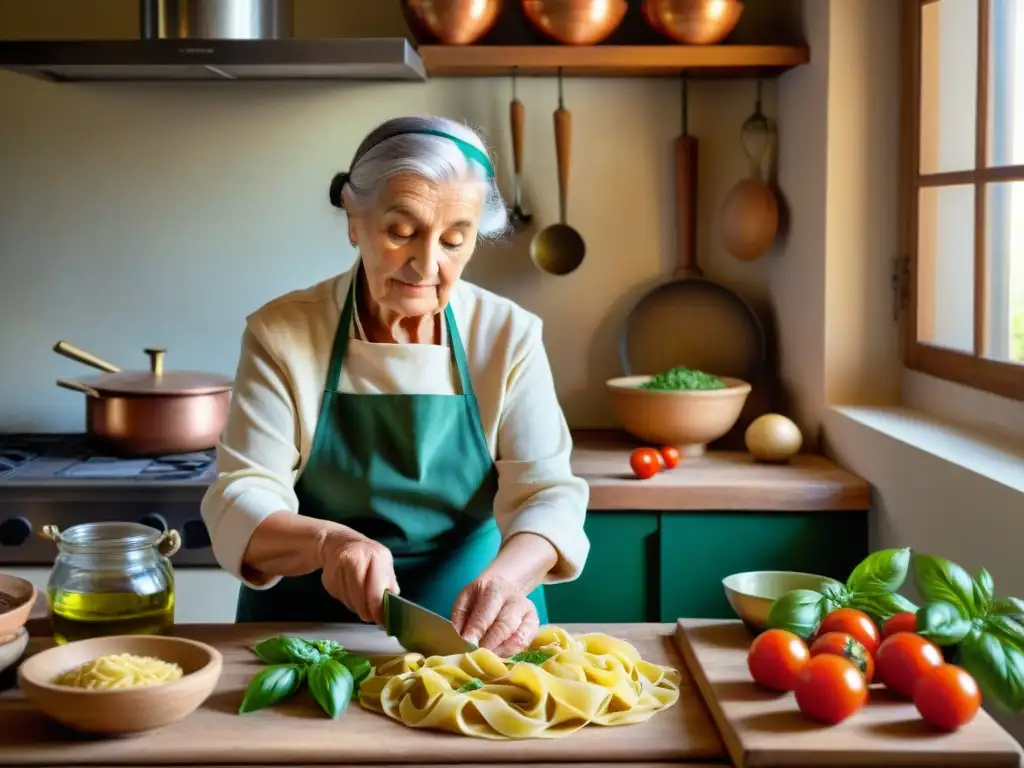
468,150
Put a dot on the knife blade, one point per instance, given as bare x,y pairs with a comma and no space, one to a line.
421,631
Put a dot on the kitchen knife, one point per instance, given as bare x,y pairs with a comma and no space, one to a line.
420,630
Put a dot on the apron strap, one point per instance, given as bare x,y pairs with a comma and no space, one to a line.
340,346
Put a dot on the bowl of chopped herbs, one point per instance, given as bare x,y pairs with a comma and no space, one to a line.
682,407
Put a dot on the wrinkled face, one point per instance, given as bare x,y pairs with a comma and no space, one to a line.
416,240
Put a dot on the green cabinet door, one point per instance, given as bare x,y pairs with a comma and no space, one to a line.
620,580
698,550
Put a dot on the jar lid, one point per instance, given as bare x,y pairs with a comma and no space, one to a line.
113,537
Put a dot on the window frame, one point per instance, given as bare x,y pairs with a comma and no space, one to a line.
971,369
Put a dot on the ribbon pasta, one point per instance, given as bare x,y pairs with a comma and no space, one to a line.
590,678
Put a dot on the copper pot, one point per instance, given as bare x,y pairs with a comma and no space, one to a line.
150,413
451,22
576,22
693,22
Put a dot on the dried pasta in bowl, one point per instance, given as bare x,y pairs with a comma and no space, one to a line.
588,679
119,670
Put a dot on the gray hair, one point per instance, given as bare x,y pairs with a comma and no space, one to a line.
394,147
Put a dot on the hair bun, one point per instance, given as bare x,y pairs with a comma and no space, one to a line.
337,184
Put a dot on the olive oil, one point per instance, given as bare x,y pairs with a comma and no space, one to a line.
78,615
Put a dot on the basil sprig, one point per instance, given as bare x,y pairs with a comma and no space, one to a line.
985,633
871,588
332,674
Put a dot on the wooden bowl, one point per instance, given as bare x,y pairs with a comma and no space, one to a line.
451,22
751,594
575,22
687,419
17,596
693,22
125,710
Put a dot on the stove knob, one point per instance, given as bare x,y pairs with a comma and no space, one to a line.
14,531
195,535
154,521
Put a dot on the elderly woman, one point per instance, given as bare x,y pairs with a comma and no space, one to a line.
396,428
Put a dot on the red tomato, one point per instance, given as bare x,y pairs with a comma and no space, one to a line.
901,622
852,622
670,456
903,659
646,462
842,644
830,689
947,697
776,658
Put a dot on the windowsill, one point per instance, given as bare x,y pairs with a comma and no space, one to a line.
986,456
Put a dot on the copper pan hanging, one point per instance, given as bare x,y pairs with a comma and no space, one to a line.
149,412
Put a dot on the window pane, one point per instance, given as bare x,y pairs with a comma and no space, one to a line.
945,267
1006,84
949,71
1005,236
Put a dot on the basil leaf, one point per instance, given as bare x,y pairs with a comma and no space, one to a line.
882,606
1007,628
531,657
286,650
358,666
942,624
984,591
472,685
837,593
329,647
882,571
800,612
943,581
998,667
1008,606
331,684
271,686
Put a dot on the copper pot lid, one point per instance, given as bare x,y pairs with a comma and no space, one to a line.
155,381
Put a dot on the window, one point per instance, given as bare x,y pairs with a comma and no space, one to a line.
964,222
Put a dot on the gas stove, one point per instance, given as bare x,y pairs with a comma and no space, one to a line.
65,480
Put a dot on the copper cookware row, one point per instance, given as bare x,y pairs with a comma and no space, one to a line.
149,413
572,22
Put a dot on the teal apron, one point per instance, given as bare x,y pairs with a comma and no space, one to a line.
412,472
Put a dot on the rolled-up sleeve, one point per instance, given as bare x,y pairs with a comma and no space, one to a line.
537,491
257,459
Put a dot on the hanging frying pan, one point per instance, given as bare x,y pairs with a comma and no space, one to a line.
690,320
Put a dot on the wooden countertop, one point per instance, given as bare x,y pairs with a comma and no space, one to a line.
296,733
719,480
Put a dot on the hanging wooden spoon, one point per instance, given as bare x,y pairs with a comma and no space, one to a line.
750,213
518,218
558,249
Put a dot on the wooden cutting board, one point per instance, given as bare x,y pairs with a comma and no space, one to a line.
297,733
761,728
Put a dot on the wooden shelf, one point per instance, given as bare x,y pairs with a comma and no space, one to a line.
612,60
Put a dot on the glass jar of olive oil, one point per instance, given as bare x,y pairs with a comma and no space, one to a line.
111,579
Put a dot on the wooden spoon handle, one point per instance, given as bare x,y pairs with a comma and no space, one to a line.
517,116
563,152
686,207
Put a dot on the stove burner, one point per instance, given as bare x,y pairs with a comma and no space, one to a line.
181,467
12,458
73,456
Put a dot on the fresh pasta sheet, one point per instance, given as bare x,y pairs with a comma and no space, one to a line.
587,679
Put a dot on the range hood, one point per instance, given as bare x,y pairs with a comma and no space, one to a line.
212,60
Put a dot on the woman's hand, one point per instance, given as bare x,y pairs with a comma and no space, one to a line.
357,571
494,613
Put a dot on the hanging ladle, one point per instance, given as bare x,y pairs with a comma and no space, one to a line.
558,249
517,217
750,213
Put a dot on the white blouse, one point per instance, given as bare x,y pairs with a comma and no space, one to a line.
282,369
